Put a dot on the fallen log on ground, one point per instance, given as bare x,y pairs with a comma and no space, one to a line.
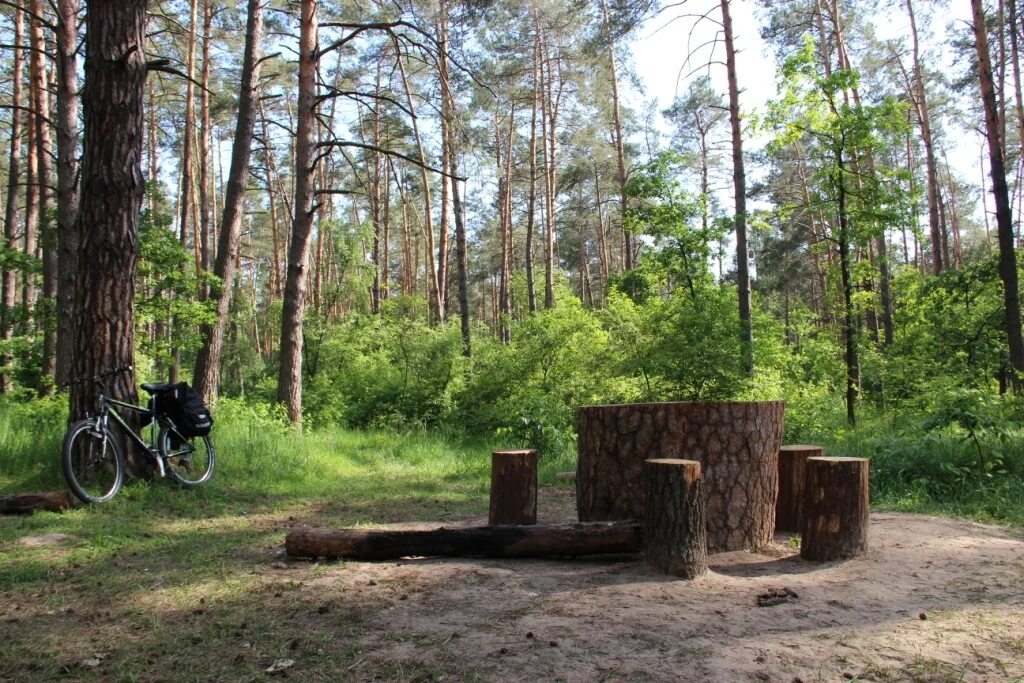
561,540
24,503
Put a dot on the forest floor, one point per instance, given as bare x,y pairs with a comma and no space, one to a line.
935,599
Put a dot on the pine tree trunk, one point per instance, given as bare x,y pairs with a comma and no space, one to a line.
68,239
562,540
739,178
112,193
1004,217
836,508
45,315
207,370
737,444
10,276
675,518
289,386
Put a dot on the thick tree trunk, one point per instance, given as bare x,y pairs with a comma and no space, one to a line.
112,192
566,540
737,444
10,276
289,384
739,178
207,370
513,487
1004,216
25,503
68,239
789,506
836,508
675,518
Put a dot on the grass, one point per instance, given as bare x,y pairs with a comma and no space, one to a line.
186,581
169,580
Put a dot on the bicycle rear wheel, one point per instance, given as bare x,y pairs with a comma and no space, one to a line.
189,460
92,461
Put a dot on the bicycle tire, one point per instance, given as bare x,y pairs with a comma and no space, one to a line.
190,461
94,476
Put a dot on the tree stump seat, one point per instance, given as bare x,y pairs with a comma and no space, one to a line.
836,508
789,507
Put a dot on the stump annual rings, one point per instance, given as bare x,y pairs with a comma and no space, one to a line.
789,507
675,523
513,487
836,508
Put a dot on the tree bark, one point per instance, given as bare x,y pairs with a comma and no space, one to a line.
836,509
68,239
675,518
620,149
789,506
46,310
207,370
289,385
565,540
26,503
10,276
112,193
737,444
1004,217
513,487
739,178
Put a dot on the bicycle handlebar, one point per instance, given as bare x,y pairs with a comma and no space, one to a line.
96,378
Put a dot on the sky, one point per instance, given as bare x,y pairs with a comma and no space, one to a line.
662,44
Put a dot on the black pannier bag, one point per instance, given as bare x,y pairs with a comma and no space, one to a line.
190,415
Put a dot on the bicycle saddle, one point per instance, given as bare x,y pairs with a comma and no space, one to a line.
157,387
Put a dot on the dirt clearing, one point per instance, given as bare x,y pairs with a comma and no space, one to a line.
935,599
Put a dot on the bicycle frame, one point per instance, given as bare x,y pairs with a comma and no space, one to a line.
108,409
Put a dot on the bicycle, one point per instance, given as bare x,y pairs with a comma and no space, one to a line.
92,455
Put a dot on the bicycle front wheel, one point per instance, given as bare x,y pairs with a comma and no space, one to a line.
93,463
189,460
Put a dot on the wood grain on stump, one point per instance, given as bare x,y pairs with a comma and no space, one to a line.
24,503
789,506
561,540
737,444
835,509
675,524
513,487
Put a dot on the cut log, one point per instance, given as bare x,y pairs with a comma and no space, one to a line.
564,540
513,487
24,503
789,506
835,509
565,476
737,444
675,524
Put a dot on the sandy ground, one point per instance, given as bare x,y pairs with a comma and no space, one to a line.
933,600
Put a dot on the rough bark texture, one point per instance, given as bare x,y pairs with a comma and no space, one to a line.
737,443
9,276
207,370
789,506
835,509
112,190
675,518
483,541
513,487
289,382
25,503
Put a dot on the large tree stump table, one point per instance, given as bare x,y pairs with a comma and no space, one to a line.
737,444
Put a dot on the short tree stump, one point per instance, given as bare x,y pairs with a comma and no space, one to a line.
675,523
789,507
513,487
835,509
